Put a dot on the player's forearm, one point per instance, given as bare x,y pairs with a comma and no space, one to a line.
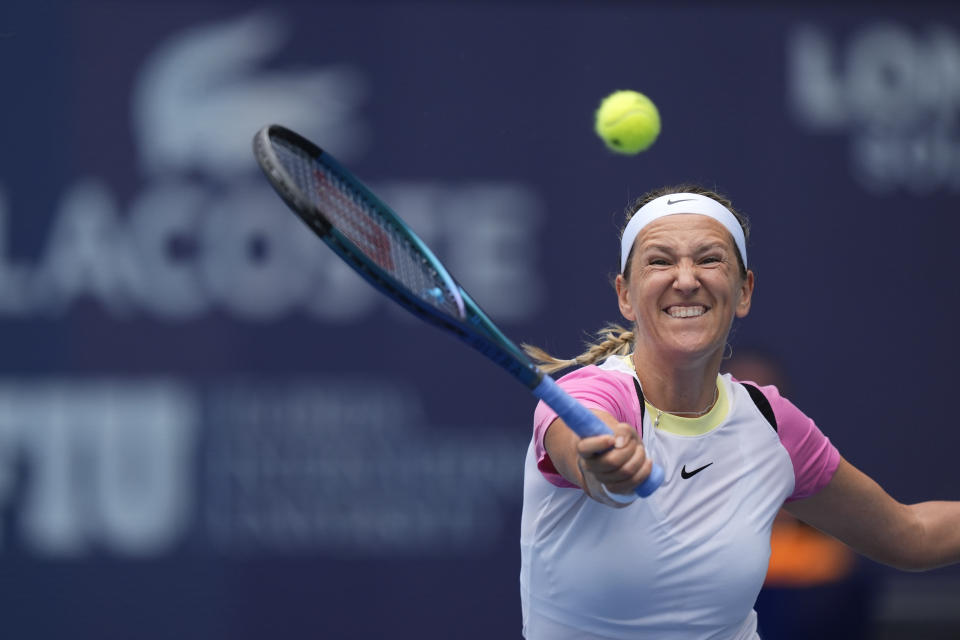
857,511
561,445
939,542
925,536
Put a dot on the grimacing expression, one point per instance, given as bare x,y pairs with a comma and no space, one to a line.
684,287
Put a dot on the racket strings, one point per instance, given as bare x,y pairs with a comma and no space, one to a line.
351,213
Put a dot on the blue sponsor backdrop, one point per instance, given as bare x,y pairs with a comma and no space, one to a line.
211,429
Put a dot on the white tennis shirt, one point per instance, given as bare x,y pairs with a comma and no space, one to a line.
687,562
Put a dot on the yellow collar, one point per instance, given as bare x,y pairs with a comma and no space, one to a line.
683,426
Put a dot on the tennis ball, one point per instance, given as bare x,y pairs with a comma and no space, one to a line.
627,121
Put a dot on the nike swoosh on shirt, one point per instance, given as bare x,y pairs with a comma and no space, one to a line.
689,474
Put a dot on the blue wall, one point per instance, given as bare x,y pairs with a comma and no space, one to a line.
210,429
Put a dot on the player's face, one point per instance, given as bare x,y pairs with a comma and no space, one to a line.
684,287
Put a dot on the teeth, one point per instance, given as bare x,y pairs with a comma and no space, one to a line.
686,312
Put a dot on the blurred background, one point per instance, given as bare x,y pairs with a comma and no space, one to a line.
210,428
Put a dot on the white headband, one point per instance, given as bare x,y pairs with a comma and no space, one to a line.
669,205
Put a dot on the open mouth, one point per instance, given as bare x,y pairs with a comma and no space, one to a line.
693,311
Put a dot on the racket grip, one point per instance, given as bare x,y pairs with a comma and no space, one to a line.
585,424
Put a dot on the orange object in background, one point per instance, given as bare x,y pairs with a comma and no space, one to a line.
801,556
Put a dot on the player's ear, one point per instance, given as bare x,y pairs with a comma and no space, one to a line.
746,295
623,298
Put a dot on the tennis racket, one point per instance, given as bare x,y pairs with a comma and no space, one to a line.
373,240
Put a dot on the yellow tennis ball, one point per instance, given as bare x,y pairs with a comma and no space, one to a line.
627,121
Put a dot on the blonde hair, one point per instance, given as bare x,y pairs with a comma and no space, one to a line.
613,339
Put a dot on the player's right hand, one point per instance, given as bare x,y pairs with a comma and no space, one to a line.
618,461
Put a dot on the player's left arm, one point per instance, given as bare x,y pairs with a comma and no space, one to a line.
857,511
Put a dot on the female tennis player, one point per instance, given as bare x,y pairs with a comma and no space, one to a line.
687,562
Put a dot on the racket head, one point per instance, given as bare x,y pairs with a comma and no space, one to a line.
367,234
360,227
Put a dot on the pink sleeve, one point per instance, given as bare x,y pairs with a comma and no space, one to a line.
814,458
609,391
